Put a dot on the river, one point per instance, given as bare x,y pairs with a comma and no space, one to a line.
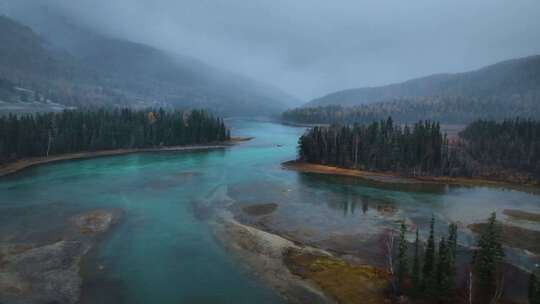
162,252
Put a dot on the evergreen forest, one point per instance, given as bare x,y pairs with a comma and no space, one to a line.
70,131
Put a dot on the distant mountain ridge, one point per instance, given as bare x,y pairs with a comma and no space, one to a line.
501,80
505,90
74,66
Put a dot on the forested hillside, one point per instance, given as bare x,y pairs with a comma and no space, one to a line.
449,110
500,91
74,66
85,131
508,150
508,144
512,78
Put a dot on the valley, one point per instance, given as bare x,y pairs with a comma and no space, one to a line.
269,152
172,205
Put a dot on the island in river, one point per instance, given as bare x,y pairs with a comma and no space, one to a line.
505,151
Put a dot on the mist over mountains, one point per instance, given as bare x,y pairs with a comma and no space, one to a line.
312,47
239,58
507,79
502,91
52,62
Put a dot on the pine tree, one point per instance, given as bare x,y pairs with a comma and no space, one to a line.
452,255
488,257
403,266
429,259
444,288
415,273
452,239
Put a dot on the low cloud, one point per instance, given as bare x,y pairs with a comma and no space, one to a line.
312,47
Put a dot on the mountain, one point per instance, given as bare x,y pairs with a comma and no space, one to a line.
68,65
502,80
505,90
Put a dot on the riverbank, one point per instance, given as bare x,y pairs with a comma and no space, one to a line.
396,178
49,271
301,124
25,163
301,273
341,274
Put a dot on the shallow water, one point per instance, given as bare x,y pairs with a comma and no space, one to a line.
161,252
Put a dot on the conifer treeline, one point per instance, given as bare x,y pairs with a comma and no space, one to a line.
508,150
433,273
80,131
433,276
380,146
446,109
508,144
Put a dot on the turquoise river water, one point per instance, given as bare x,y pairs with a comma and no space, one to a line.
161,252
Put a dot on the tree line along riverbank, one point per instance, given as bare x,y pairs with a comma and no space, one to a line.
89,131
507,151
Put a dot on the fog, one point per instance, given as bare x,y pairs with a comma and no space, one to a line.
312,47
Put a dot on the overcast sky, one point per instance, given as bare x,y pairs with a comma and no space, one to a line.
312,47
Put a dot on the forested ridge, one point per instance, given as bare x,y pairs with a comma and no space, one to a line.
507,150
75,66
73,131
506,82
501,91
445,109
508,144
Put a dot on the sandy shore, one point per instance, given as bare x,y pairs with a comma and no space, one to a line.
395,178
329,170
30,162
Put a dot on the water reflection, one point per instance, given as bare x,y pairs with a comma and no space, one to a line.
349,214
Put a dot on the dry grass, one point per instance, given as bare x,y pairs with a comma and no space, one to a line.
344,282
396,178
323,169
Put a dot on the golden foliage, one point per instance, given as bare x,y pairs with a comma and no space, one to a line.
151,117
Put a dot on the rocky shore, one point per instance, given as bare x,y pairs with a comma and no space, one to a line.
49,273
300,273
